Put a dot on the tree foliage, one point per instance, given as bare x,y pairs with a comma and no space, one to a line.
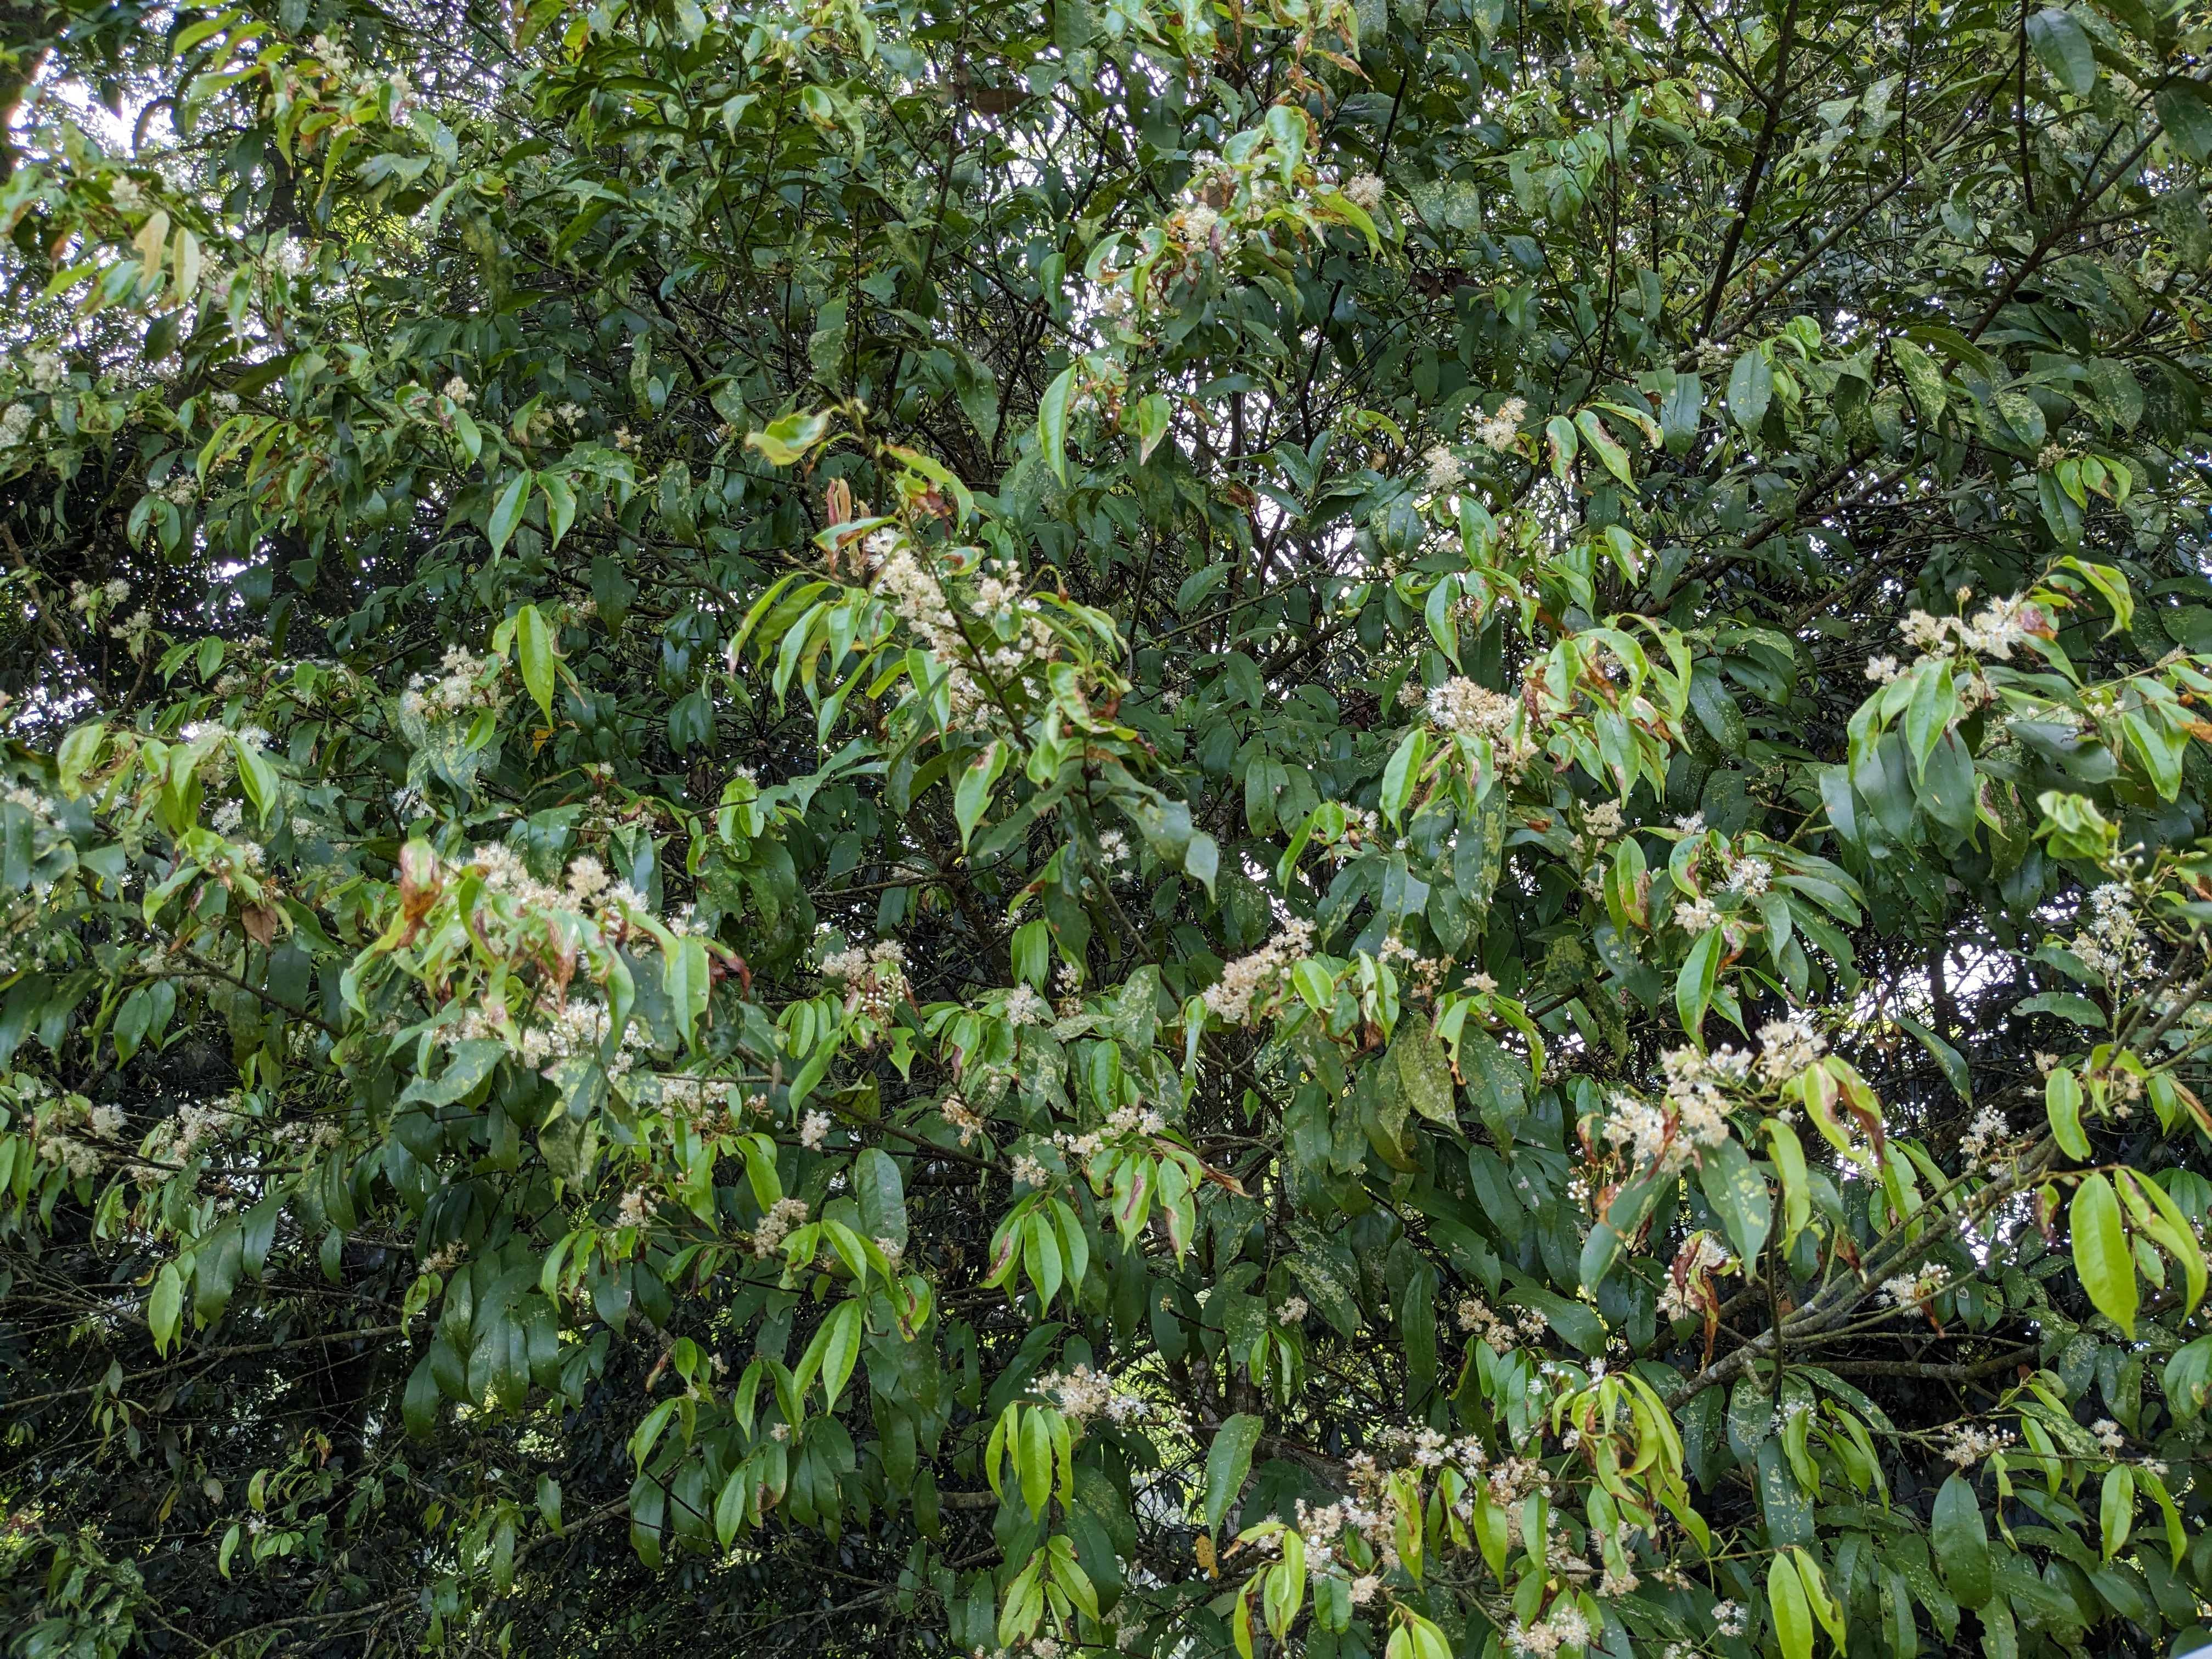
1310,828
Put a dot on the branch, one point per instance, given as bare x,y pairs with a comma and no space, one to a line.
1937,1373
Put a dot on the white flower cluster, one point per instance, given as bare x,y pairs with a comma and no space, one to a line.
1502,430
1028,1171
1695,1082
1965,1444
1292,1312
784,1216
2110,943
577,1027
90,601
1230,998
1731,1619
1365,191
311,1136
16,423
1460,705
1426,974
813,1130
875,978
1084,1393
1750,877
174,1140
1001,603
1989,1125
45,369
504,873
955,1112
2108,1435
1641,1130
134,631
1563,1628
1993,631
701,1100
1113,849
1476,1319
81,1159
1023,1006
466,683
1696,915
1911,1290
1444,470
915,594
1787,1047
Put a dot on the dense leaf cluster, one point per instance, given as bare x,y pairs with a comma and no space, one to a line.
1310,828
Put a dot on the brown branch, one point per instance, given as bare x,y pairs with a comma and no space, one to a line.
1937,1373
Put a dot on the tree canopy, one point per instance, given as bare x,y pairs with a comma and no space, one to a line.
1169,826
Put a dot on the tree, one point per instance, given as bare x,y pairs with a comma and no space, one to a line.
1314,828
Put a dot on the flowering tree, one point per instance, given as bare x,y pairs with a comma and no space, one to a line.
1327,829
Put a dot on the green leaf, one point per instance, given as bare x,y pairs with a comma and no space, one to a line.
165,1308
1793,1615
1052,420
506,512
1960,1542
1424,1074
263,791
2100,1252
1609,451
1152,411
1228,1460
881,1193
1559,434
1788,1154
1402,774
1693,986
535,655
787,440
560,504
1750,390
418,1408
2067,1005
841,1351
2116,1509
2061,1103
971,795
1738,1194
2064,50
76,757
2185,110
1924,382
687,978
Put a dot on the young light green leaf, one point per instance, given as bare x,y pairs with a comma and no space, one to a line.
789,440
1793,1616
2102,1254
2061,1103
